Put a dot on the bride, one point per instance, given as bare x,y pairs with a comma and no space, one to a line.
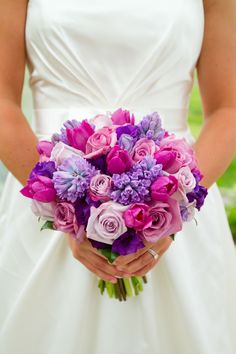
87,57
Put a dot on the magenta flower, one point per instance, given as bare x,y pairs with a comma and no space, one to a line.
137,216
166,220
44,149
78,136
163,188
40,188
118,160
122,116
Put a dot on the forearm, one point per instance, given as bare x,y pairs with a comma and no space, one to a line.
17,141
216,144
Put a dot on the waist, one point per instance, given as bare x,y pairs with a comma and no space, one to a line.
49,120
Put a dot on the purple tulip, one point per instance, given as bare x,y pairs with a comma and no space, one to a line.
78,136
40,188
118,160
163,188
122,116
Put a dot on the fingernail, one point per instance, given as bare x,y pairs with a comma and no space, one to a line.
120,268
113,280
127,275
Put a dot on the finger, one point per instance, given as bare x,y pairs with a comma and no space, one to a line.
103,265
123,260
143,271
100,273
142,261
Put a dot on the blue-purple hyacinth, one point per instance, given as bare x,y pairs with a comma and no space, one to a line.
150,127
73,178
134,185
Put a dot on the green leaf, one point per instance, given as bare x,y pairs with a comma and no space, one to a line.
47,225
111,256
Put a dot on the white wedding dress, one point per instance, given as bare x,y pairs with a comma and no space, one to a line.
87,57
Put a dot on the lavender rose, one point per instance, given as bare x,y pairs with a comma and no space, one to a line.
65,221
163,188
142,148
106,222
100,142
44,211
166,220
118,160
122,116
100,187
62,151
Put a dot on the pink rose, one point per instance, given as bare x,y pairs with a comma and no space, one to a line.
40,188
78,136
142,148
180,154
44,149
118,160
61,151
106,222
43,210
101,120
137,217
100,142
100,187
163,187
166,220
65,221
121,117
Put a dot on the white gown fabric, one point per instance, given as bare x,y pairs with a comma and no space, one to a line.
88,57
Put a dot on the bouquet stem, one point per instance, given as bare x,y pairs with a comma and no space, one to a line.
125,287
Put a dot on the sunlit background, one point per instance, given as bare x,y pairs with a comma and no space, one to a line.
227,182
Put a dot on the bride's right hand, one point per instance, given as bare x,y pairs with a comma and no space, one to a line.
93,260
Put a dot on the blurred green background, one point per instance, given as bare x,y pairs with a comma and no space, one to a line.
227,182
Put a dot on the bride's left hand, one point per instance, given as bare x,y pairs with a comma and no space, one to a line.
142,262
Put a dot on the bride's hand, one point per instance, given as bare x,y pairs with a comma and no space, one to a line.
142,262
93,260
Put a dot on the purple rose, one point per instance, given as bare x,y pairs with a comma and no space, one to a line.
163,188
166,220
65,221
122,116
79,136
40,188
100,187
142,148
118,160
137,216
106,222
129,242
61,151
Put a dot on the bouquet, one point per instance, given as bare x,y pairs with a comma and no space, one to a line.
117,182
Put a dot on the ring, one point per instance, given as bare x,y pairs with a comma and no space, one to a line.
153,253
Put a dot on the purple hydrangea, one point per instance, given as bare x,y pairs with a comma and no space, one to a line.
198,194
73,178
83,209
46,169
150,127
134,185
129,242
69,124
